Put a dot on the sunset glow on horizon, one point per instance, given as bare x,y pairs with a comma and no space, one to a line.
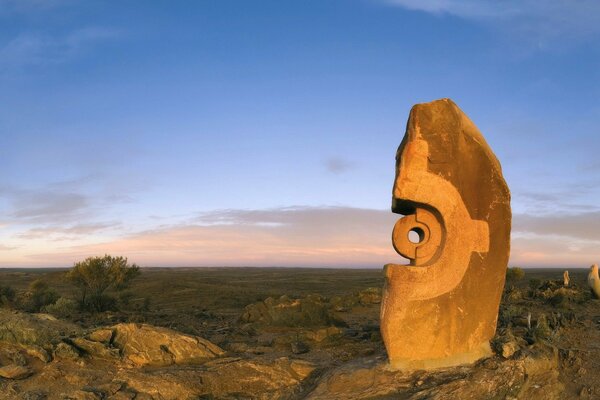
237,134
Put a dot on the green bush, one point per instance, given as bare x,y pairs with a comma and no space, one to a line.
63,307
95,275
514,274
7,296
38,296
535,284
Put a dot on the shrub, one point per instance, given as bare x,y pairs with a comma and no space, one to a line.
63,307
38,296
535,284
7,295
514,274
95,275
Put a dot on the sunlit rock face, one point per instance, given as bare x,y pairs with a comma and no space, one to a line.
441,309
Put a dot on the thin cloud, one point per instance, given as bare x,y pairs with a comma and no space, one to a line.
37,49
46,206
8,7
536,20
581,226
66,233
292,236
7,248
314,236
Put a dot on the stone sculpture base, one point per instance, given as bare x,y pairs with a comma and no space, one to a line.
407,364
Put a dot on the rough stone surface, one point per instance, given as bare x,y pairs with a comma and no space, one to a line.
33,329
533,376
594,281
226,378
309,311
95,349
150,345
14,372
566,279
441,309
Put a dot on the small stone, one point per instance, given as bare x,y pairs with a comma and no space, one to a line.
35,395
101,335
14,372
509,348
64,350
299,347
39,353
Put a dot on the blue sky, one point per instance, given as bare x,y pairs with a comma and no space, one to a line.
264,133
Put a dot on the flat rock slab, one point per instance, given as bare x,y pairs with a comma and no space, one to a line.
147,345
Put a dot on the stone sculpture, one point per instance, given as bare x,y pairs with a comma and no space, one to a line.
594,281
566,279
441,309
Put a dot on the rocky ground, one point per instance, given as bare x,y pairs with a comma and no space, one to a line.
310,334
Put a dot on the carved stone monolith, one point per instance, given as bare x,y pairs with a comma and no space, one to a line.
566,279
441,308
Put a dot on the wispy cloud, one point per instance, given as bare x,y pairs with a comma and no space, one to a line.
29,6
319,236
44,206
66,232
533,19
39,49
581,226
6,248
292,236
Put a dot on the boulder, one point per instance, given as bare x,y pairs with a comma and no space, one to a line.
150,345
101,335
34,329
14,372
66,351
312,310
95,349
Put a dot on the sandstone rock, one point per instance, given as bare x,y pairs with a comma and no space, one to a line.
14,372
594,281
101,335
66,351
309,311
149,345
34,329
38,352
566,279
225,378
95,349
442,308
371,378
322,334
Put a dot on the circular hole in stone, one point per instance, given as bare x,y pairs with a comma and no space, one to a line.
416,235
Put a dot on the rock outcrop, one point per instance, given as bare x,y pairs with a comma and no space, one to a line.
34,329
534,375
312,310
150,345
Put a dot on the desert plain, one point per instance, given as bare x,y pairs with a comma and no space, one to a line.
284,333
